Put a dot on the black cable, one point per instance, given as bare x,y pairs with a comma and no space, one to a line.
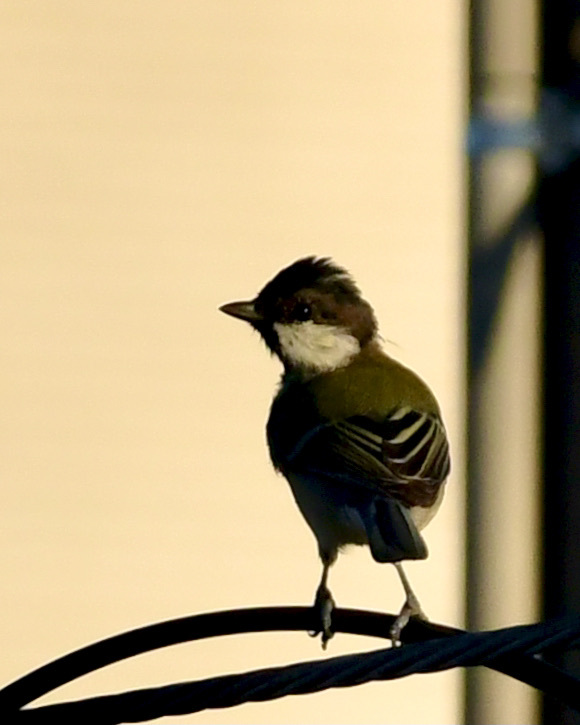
428,648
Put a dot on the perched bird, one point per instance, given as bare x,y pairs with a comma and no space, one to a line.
358,436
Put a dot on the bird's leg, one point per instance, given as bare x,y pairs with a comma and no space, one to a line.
411,608
323,606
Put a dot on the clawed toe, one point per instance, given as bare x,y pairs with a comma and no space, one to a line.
411,608
323,606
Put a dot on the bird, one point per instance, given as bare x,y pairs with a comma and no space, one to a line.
358,436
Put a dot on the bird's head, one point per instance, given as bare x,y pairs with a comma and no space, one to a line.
311,315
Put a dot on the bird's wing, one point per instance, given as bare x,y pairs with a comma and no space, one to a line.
405,455
403,459
411,448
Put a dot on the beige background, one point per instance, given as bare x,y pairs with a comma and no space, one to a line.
158,159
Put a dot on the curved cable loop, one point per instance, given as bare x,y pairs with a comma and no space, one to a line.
515,651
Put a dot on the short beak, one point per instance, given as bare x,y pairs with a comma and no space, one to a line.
243,311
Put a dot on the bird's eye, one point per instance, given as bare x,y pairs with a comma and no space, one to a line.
302,312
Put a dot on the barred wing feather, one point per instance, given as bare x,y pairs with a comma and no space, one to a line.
405,456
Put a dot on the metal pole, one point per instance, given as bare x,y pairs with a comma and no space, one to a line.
503,310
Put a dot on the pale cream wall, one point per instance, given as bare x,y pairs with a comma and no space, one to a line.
158,159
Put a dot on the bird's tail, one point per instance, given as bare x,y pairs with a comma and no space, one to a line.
391,532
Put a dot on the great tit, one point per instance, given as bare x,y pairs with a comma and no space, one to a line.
358,436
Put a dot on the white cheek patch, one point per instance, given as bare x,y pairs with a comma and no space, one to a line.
317,347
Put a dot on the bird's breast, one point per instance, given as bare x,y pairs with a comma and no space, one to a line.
293,417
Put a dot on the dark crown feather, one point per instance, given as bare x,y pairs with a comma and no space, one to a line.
310,272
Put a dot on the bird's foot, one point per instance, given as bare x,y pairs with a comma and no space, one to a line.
323,606
411,608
